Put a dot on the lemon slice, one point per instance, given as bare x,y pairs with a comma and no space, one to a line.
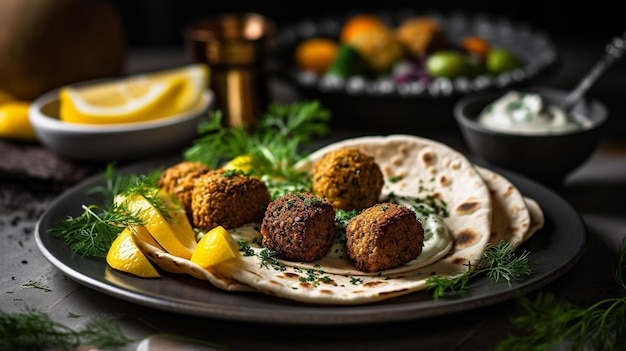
173,231
216,246
124,255
14,122
137,98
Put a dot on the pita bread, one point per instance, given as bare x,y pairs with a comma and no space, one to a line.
537,218
511,218
483,206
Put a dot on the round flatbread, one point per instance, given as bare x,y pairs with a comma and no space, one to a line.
414,167
537,218
511,218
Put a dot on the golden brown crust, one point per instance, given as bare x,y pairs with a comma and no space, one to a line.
179,180
226,198
347,178
299,227
384,236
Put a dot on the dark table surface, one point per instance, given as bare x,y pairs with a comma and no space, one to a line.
32,177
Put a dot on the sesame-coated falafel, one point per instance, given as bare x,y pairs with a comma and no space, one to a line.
299,227
347,178
228,198
386,235
179,180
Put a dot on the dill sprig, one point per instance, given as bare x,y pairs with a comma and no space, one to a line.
548,321
274,143
499,263
93,231
34,330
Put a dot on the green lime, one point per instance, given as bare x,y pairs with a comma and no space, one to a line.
447,63
348,62
501,60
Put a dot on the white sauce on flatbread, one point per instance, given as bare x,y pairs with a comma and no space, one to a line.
437,243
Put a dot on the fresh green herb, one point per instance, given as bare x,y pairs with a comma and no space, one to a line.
92,232
245,248
342,217
36,285
314,277
548,322
273,143
499,262
34,330
356,280
268,259
395,179
427,205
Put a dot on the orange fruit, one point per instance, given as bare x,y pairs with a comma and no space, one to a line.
124,255
216,246
476,45
316,54
136,98
358,24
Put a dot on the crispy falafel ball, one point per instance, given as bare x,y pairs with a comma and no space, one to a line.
347,178
228,198
386,235
299,227
179,180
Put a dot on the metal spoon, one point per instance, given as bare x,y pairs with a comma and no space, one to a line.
613,51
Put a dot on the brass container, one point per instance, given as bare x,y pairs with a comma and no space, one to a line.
236,48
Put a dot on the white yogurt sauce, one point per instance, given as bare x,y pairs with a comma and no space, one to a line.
528,113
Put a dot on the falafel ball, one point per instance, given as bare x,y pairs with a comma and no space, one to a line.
179,180
347,178
228,198
386,235
299,227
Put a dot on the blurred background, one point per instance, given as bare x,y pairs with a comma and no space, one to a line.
150,24
160,22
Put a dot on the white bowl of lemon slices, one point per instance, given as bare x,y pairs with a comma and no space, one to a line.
121,119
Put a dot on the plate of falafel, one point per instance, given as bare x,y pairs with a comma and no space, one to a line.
383,215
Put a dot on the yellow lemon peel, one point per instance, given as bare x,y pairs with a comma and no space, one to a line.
124,255
216,246
173,232
242,163
137,98
14,122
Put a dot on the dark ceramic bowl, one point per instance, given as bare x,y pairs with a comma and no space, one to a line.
546,158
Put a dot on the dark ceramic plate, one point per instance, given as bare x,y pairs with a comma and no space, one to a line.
555,249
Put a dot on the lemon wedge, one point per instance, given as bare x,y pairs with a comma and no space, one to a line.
14,122
172,231
242,163
124,255
216,246
136,98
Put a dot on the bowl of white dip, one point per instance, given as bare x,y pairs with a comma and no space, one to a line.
524,130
